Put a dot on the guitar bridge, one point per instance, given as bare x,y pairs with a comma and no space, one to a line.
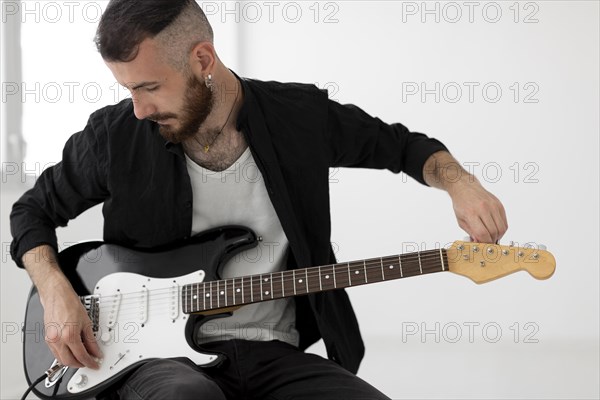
92,306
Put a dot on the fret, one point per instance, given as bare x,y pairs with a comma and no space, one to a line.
442,260
239,291
184,298
294,275
233,292
271,279
221,294
400,265
230,293
255,287
411,265
357,272
244,301
204,295
211,295
365,269
300,281
313,285
327,278
349,276
320,280
342,275
193,290
382,271
265,287
289,282
420,266
194,296
190,289
184,295
333,273
277,285
375,271
282,285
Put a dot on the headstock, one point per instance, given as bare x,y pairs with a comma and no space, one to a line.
484,262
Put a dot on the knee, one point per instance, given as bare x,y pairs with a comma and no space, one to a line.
170,379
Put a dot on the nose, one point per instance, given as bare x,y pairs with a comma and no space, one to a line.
142,109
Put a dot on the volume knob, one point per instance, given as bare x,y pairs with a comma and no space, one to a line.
81,380
105,337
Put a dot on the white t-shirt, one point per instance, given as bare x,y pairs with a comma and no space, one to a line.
238,196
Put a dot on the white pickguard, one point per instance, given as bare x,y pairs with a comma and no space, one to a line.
140,318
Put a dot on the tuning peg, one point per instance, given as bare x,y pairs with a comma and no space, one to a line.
542,247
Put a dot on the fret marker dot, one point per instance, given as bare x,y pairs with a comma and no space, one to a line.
238,290
207,294
299,280
356,272
266,279
391,267
222,292
267,292
195,297
326,276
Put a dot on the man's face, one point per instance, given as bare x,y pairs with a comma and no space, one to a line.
179,103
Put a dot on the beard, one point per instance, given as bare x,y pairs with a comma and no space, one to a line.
198,101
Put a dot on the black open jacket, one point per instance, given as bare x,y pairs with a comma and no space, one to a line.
295,134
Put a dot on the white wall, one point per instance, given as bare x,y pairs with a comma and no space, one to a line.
540,158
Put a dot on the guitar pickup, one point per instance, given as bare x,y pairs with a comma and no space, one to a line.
143,305
174,302
115,304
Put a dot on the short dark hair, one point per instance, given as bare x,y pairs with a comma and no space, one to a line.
127,23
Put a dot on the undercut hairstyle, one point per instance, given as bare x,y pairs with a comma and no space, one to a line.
176,25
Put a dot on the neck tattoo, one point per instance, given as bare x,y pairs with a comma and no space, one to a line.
206,147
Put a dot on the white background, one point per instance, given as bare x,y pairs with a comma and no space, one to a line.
537,150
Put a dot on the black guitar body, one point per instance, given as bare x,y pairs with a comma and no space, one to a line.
86,263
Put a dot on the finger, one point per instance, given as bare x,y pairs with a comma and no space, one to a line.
479,230
67,358
82,356
502,221
89,341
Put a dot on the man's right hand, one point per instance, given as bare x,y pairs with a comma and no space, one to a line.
68,329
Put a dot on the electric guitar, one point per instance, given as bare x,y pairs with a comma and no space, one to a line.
146,304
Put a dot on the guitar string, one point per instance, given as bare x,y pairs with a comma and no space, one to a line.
288,276
311,272
130,307
278,290
134,311
253,282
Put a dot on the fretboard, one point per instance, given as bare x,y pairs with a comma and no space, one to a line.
213,295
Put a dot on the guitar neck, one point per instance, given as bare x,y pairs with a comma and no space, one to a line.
234,292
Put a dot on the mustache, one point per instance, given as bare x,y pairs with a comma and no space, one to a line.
157,117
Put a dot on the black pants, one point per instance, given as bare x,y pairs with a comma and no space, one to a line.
254,370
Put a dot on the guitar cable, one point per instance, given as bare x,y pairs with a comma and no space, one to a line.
48,374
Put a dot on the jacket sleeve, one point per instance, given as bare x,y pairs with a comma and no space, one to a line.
357,139
63,191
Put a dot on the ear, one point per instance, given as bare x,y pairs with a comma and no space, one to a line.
202,59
